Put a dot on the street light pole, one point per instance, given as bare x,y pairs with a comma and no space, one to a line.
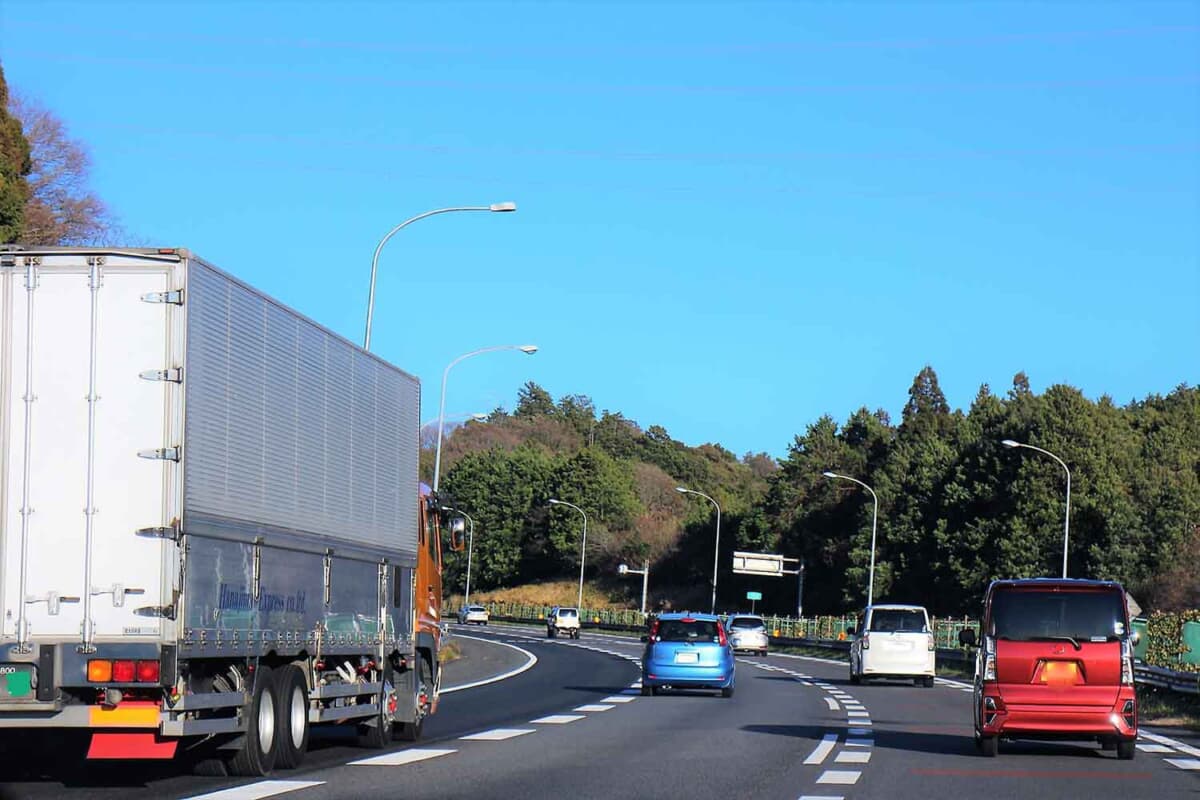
874,525
716,545
375,259
624,569
527,349
470,546
582,548
1067,515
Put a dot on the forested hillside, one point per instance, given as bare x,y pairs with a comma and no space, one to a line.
956,508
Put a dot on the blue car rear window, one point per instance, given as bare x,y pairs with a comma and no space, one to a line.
676,630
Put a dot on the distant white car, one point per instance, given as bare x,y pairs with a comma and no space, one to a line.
893,641
747,632
475,614
562,620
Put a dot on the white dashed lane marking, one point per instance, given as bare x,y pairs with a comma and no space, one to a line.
833,705
860,742
822,750
617,699
557,719
255,791
1184,763
497,735
853,757
401,757
842,777
1154,748
593,707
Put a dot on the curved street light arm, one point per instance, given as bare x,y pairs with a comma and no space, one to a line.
1067,513
582,548
716,544
528,349
874,527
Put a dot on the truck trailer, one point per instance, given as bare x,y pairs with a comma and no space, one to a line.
213,534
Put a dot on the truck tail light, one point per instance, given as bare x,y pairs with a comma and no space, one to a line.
100,670
147,672
123,671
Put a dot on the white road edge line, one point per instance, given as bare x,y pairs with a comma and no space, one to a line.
1184,763
822,750
255,791
1178,745
510,674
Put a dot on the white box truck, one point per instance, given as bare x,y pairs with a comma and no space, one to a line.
211,526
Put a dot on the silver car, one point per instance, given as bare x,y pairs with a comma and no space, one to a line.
475,614
748,632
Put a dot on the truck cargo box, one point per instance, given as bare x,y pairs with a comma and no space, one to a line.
147,396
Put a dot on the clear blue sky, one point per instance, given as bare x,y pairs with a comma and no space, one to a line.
734,217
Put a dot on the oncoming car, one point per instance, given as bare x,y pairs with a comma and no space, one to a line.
747,632
687,651
894,641
476,614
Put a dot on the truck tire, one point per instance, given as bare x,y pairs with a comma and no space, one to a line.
256,757
411,731
376,733
292,690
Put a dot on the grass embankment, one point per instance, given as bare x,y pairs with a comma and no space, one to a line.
451,651
1168,709
551,593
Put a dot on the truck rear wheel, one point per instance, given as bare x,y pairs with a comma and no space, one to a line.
376,733
292,691
411,731
257,754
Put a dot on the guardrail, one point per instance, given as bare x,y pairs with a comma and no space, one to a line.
829,633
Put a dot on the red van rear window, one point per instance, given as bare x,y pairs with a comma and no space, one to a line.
1030,615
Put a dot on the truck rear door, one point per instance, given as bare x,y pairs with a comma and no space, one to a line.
75,337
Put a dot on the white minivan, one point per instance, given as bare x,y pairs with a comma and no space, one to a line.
893,641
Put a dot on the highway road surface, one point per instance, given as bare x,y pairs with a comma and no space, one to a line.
570,722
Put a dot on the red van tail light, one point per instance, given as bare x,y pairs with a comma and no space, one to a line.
123,672
147,672
1126,663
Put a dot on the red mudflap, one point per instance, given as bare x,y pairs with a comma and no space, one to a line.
131,744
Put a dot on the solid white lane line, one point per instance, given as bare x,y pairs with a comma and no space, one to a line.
497,735
822,750
842,777
833,704
1154,748
255,791
593,707
618,699
557,719
1184,763
530,660
401,757
852,757
860,742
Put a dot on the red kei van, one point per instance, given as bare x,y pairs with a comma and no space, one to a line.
1056,662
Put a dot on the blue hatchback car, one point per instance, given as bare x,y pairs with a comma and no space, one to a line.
687,651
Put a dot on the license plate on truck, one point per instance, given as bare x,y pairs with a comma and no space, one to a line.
16,681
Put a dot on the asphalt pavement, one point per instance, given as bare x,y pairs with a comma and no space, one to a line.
574,724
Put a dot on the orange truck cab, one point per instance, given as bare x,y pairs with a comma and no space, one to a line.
1055,662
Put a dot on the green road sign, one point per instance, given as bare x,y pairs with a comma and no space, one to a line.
754,595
